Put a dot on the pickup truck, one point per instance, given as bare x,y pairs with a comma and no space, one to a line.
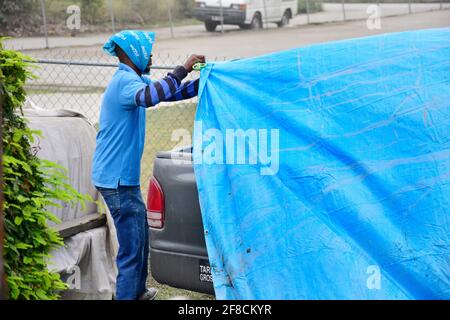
247,14
178,255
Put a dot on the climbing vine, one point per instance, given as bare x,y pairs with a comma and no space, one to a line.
30,186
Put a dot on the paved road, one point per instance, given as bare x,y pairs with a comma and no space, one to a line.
246,44
332,13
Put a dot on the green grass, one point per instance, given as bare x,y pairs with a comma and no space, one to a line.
167,292
52,89
161,122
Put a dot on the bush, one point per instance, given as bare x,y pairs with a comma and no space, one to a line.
92,10
153,12
314,6
30,186
24,17
18,17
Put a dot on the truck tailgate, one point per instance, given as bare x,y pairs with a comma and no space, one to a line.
178,254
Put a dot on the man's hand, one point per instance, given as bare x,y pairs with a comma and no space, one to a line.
193,60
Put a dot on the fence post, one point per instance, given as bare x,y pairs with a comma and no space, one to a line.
169,12
440,5
409,6
343,10
265,14
307,12
111,14
221,17
44,17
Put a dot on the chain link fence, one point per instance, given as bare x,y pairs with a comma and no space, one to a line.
318,11
75,77
78,85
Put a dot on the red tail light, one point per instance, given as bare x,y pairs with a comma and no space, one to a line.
155,205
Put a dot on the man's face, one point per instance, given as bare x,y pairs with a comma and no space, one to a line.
150,62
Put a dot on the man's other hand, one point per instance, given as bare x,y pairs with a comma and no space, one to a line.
193,59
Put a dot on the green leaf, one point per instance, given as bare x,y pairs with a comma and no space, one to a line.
21,198
17,135
23,246
27,260
18,220
40,240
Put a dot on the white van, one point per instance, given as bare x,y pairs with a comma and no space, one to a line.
247,14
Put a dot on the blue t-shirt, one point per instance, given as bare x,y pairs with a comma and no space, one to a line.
120,141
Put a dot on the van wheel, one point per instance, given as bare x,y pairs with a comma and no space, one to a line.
256,23
211,25
284,20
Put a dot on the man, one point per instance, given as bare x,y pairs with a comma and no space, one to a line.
120,144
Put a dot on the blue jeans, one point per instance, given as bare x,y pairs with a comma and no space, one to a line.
130,218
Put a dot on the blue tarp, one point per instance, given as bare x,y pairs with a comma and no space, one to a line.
356,206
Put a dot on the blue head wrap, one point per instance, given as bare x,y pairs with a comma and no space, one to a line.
137,45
